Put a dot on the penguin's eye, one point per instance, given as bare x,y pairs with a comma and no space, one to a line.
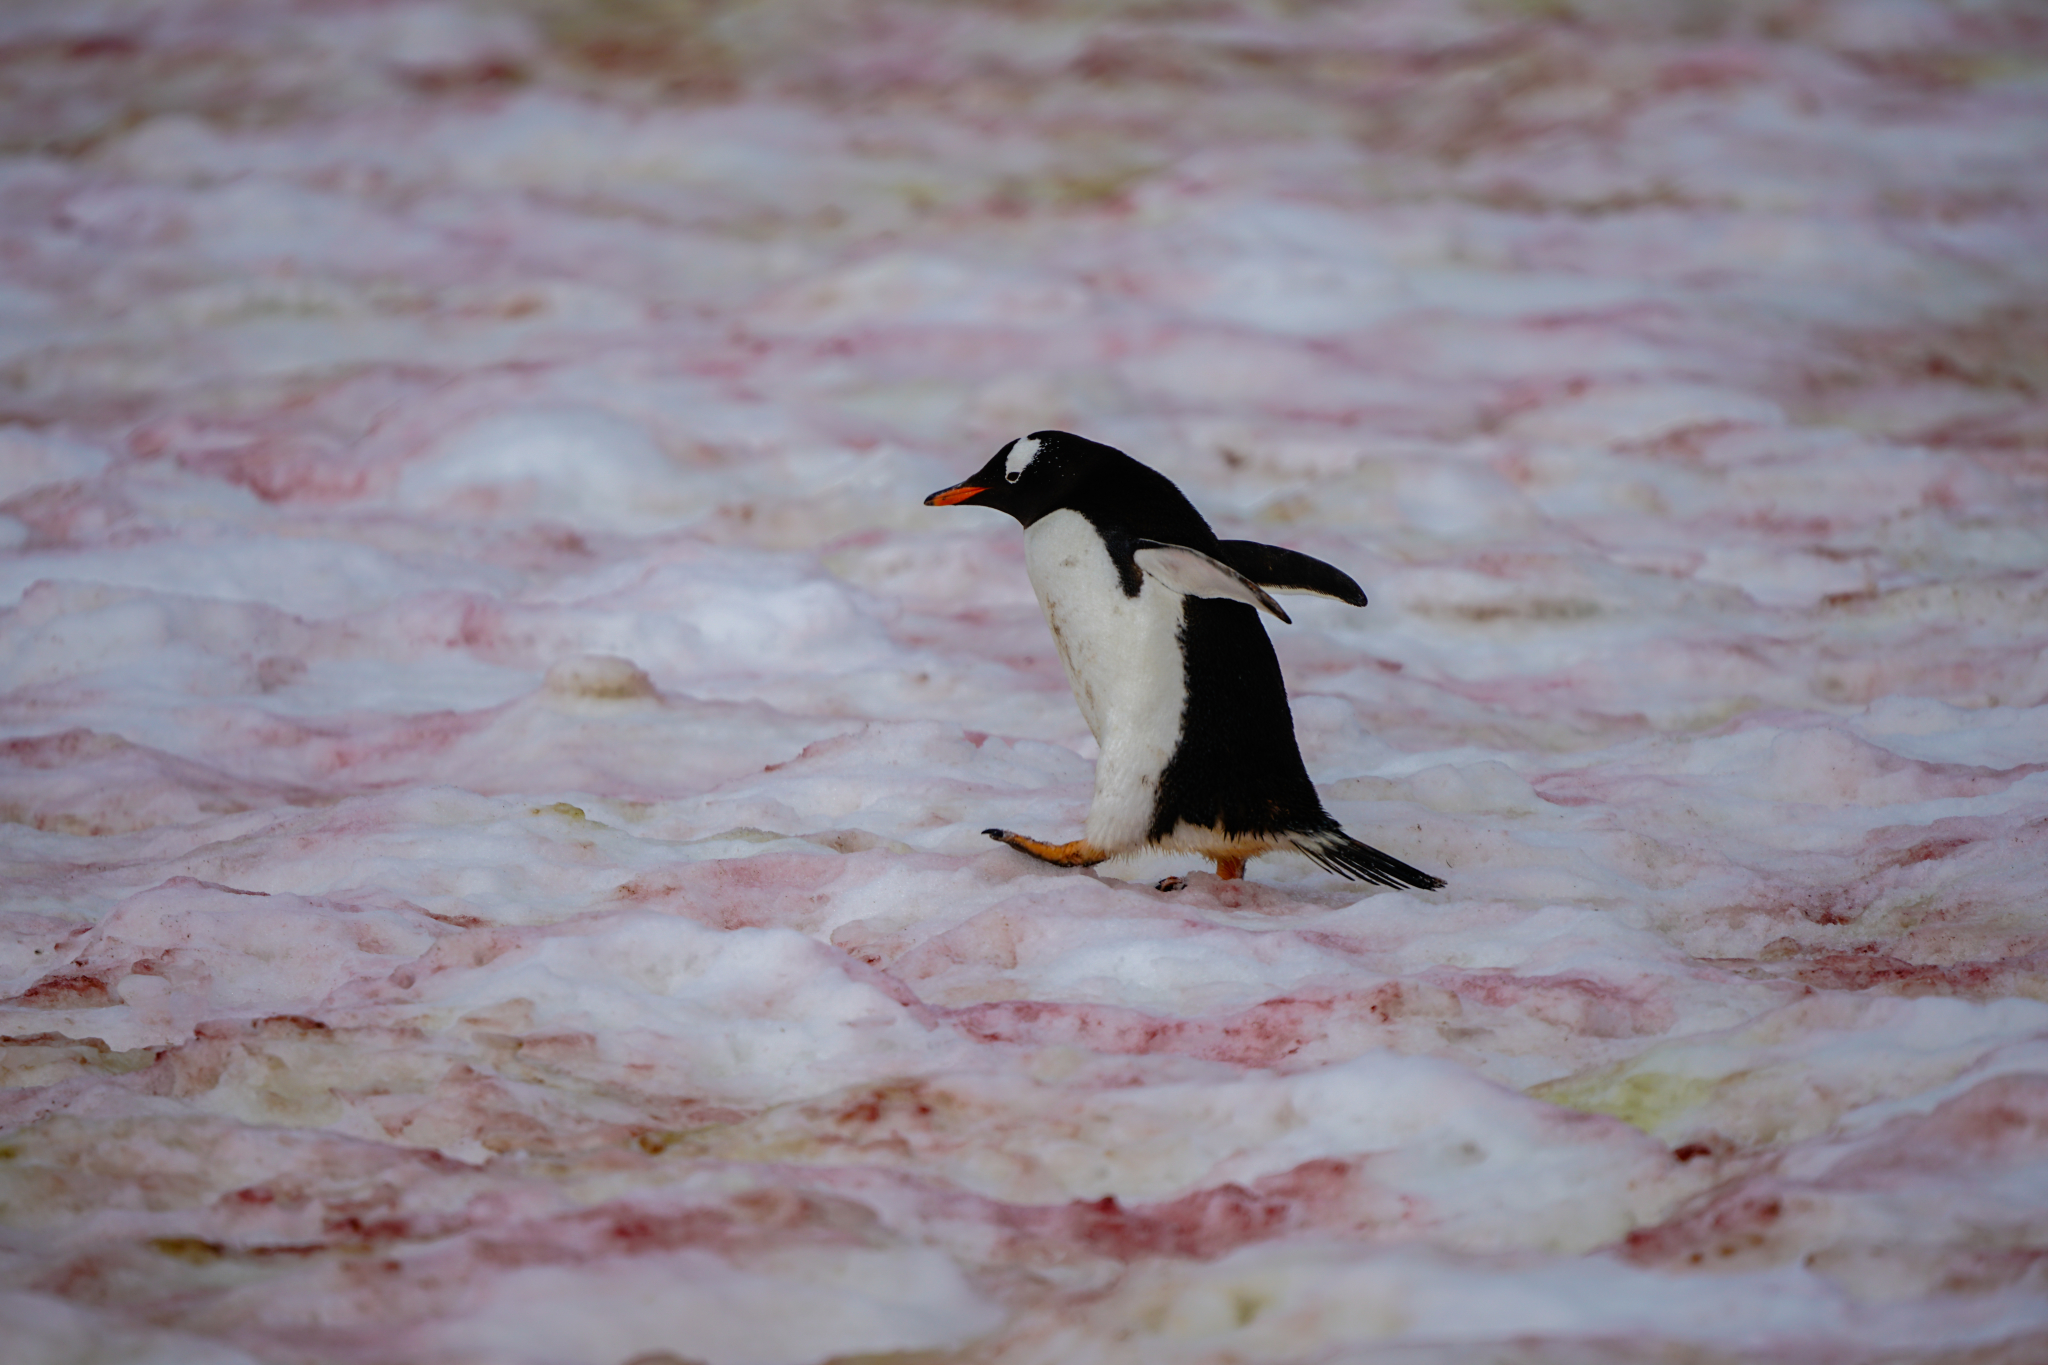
1014,475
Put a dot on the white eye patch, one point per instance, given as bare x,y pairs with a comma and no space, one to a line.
1023,451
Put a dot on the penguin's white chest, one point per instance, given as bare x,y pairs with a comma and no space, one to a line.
1123,659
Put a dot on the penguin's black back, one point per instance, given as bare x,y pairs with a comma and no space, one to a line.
1237,766
1128,502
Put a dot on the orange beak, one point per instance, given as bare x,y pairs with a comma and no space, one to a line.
946,497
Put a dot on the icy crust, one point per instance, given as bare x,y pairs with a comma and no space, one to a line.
493,753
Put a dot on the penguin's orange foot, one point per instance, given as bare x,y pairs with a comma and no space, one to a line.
1080,853
1229,869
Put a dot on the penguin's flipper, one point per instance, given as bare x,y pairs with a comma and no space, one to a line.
1289,570
1079,853
1194,574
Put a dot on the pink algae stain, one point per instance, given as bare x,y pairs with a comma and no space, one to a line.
1257,1037
67,991
1585,1005
769,890
2002,1122
762,1219
1953,867
372,1224
891,1108
1741,1225
1891,975
1999,1124
77,514
1940,865
1928,850
280,463
1322,1195
1266,1034
402,744
1576,788
463,951
45,752
837,746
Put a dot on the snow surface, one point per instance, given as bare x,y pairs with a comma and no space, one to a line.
494,749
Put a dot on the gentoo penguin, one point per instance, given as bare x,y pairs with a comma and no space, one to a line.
1157,622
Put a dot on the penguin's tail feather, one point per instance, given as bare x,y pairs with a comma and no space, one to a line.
1335,851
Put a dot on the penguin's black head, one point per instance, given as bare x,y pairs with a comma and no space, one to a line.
1031,476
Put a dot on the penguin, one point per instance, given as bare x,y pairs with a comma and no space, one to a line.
1157,623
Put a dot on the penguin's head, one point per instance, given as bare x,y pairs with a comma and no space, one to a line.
1029,477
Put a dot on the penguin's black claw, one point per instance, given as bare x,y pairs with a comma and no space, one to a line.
1170,884
999,835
